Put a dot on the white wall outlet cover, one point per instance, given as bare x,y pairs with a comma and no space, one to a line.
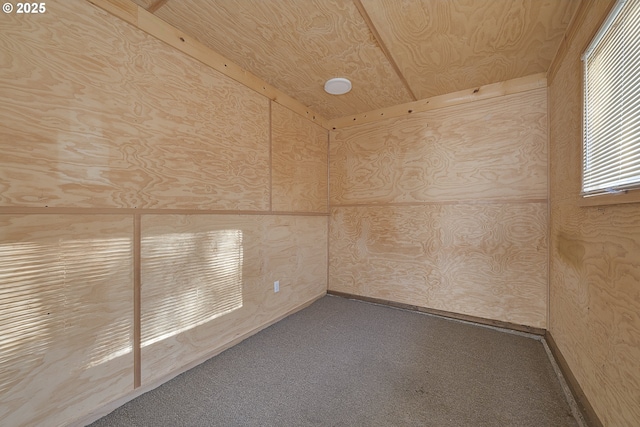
276,286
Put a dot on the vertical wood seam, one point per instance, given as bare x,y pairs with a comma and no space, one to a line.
270,156
383,47
548,214
328,250
137,368
328,202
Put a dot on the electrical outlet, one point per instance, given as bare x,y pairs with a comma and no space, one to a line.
276,286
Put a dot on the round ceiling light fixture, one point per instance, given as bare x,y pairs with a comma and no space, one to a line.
337,86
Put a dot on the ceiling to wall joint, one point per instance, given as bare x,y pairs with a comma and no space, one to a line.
387,53
394,52
157,5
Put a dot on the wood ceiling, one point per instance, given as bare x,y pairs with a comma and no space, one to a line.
393,51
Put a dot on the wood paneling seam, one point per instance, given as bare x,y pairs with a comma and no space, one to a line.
137,233
548,214
383,46
11,210
270,155
449,202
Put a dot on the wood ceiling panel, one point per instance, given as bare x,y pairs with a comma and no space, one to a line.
296,46
443,46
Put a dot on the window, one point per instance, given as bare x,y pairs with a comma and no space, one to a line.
611,162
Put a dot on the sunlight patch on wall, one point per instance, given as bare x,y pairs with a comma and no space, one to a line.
189,279
55,297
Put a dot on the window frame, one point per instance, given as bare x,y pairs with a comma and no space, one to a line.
631,195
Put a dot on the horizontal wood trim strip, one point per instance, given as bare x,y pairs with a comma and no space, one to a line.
156,27
442,313
584,405
445,202
111,406
130,211
489,91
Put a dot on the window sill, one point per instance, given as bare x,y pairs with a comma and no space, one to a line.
632,196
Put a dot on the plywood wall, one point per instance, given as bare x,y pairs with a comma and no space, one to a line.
119,156
118,120
66,321
246,255
594,256
299,159
445,209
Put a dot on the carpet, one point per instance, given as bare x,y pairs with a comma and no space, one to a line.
343,362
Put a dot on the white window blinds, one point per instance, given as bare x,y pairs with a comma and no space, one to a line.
612,104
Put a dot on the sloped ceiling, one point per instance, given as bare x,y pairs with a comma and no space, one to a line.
393,51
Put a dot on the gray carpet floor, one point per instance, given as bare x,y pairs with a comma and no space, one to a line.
341,362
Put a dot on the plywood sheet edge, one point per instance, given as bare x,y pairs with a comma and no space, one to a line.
508,87
156,27
123,9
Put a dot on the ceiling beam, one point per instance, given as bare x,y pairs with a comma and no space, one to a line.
383,46
157,5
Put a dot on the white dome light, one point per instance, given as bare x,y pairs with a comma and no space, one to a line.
337,86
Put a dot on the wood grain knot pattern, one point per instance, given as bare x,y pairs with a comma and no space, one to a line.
105,116
299,163
295,46
208,279
443,47
492,149
66,323
486,261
